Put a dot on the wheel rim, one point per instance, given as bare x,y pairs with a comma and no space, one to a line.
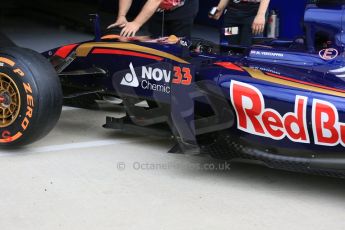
9,101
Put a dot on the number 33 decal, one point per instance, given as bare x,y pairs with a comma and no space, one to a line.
182,76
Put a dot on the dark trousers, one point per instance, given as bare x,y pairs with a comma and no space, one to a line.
243,19
178,27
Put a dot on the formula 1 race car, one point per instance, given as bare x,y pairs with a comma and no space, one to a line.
280,103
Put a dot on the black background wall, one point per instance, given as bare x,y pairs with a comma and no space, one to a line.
74,13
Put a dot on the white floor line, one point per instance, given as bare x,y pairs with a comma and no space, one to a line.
65,147
67,108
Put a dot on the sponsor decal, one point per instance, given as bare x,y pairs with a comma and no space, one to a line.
255,118
265,53
328,131
328,54
131,78
185,43
157,79
264,69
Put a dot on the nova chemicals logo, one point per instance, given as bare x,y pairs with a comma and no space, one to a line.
130,79
157,77
153,78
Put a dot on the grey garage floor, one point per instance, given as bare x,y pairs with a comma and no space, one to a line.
84,177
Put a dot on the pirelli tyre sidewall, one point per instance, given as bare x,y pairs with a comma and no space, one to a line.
30,97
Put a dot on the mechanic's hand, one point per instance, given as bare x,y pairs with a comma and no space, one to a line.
218,14
130,29
120,22
258,24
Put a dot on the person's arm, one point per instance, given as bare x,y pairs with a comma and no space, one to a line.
220,9
260,19
131,28
124,6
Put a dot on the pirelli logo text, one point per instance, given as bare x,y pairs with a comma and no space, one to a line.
30,106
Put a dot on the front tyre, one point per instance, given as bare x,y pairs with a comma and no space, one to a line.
30,97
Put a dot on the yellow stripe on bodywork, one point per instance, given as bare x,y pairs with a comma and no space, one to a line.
84,49
257,74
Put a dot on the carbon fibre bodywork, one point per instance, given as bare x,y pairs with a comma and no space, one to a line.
280,102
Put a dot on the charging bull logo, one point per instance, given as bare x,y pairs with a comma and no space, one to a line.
253,117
